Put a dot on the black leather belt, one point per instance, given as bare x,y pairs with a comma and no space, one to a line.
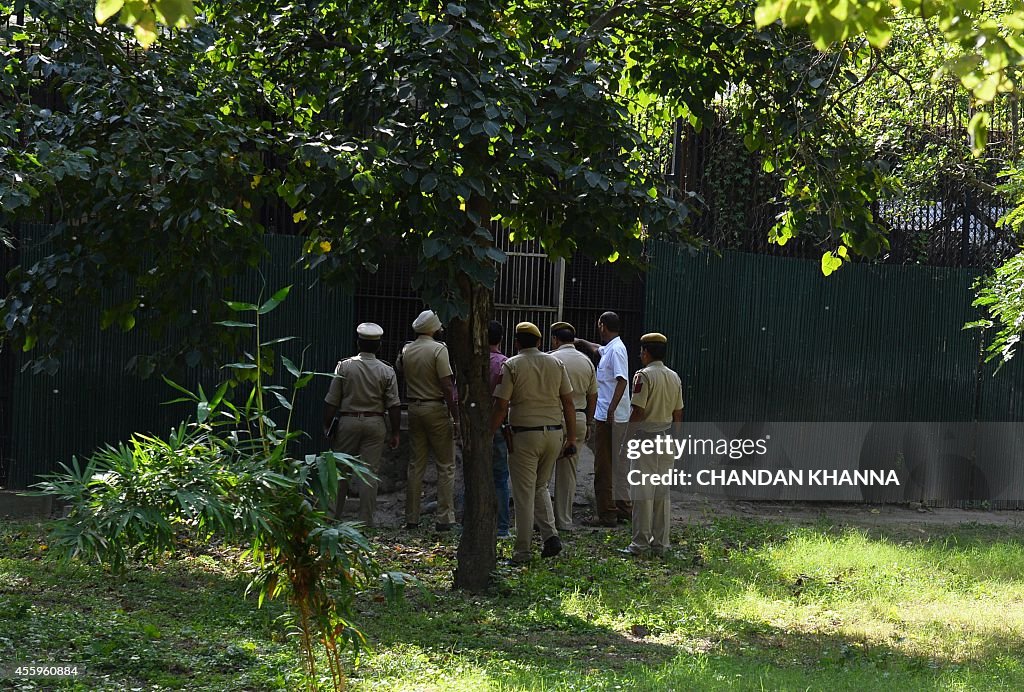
360,414
423,401
535,428
581,410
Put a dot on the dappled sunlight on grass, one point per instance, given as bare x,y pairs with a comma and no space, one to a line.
739,605
941,599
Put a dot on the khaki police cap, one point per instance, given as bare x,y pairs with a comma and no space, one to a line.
527,328
654,338
563,325
369,331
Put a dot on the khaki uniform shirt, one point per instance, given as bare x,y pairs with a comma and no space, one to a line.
658,390
365,385
581,373
424,362
532,383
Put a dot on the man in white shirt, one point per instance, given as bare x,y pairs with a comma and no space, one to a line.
611,490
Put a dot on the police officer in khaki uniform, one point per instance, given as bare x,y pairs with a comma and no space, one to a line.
657,403
433,418
363,388
583,379
534,390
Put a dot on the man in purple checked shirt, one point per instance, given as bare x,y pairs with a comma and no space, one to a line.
499,449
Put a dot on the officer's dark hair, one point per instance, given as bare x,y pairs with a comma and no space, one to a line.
368,345
566,336
611,322
655,350
495,333
527,340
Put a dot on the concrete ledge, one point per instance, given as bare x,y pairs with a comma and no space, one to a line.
14,506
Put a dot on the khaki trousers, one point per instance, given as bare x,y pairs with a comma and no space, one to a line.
565,481
652,505
364,438
530,464
431,428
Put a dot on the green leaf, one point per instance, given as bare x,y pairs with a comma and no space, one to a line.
830,263
879,33
178,387
977,129
438,31
978,324
987,89
232,323
145,29
176,13
274,301
105,9
767,12
282,400
240,307
218,396
280,340
428,182
290,366
491,128
432,247
363,182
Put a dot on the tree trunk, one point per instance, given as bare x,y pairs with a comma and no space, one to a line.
468,342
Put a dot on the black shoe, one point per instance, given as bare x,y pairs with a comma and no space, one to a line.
443,528
552,547
603,523
411,525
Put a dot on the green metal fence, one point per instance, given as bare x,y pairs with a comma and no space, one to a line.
91,401
771,339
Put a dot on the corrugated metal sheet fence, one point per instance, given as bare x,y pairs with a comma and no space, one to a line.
92,401
768,338
758,338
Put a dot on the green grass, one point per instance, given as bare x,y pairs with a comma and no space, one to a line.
740,605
